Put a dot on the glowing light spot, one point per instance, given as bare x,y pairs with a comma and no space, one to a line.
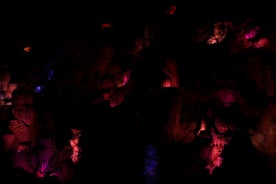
38,89
125,78
106,25
74,142
167,84
172,10
252,33
151,165
202,127
212,40
27,49
263,42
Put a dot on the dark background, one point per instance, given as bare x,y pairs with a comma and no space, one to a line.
53,21
44,16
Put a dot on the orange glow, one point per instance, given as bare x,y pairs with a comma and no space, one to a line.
28,49
74,142
202,127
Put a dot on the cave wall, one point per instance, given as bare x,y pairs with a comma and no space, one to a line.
164,79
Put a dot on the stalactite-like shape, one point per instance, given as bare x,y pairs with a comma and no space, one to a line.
74,142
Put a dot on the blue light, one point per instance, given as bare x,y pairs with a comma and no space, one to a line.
38,89
51,74
151,165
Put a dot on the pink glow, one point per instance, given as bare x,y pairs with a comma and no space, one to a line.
252,33
167,83
212,40
216,148
39,174
74,142
117,97
172,10
126,77
227,97
219,141
171,71
202,127
9,142
263,42
106,96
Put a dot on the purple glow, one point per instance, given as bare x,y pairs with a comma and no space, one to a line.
38,89
51,74
45,155
151,165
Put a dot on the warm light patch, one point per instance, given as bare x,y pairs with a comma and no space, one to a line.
74,142
106,25
263,42
219,33
171,71
202,127
171,10
27,49
252,33
125,78
167,83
